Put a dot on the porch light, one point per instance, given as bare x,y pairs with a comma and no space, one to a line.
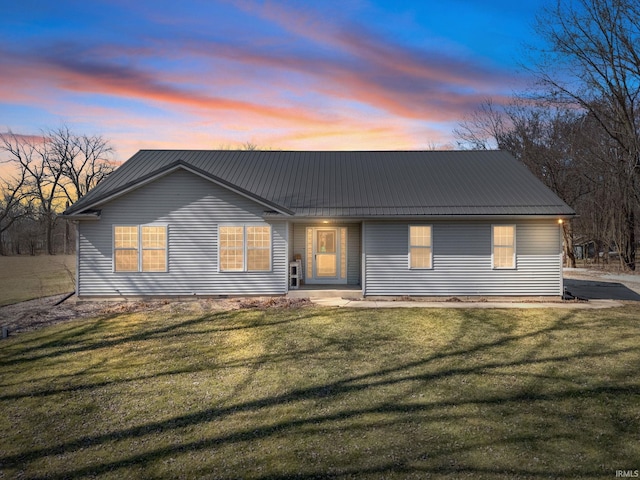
560,221
325,221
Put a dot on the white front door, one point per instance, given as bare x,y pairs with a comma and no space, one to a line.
328,249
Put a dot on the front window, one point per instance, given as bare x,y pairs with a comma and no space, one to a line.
232,249
140,248
154,249
126,249
258,249
245,248
504,246
420,247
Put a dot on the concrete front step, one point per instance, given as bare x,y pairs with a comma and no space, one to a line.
326,292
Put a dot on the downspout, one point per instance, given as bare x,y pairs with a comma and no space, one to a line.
77,279
66,297
560,261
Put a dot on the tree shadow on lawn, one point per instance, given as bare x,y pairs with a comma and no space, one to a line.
80,338
494,401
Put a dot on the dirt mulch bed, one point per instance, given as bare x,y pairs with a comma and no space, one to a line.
42,312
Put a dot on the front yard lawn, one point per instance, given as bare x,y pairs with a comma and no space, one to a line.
317,392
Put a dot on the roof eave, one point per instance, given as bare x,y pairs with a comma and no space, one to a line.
491,216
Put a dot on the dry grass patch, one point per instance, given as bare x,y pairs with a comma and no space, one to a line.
312,392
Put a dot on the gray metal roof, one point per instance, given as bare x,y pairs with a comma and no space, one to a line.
352,184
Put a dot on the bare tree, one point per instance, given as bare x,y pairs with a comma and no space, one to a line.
589,72
13,203
84,160
593,63
56,168
43,175
483,128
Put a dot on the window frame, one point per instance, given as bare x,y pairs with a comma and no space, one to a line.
155,249
116,249
139,249
514,265
221,248
246,248
429,247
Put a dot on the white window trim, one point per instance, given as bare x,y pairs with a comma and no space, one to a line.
409,247
245,248
139,248
114,249
166,247
244,252
515,256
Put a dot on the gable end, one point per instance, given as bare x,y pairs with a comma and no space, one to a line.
78,211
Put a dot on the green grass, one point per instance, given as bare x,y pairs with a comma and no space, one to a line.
318,392
28,277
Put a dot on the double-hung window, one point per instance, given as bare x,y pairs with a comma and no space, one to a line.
231,249
504,246
258,248
154,248
245,248
420,247
140,248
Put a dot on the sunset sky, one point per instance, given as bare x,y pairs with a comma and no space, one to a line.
321,75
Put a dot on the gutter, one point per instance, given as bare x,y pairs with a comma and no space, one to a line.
429,217
81,216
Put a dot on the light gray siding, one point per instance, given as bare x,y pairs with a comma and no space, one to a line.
299,246
192,208
353,254
462,260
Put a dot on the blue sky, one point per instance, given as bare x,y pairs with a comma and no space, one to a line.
323,75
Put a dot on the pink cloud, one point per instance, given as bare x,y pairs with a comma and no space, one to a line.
77,75
365,67
327,83
406,89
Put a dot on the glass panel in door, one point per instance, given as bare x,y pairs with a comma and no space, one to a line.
326,253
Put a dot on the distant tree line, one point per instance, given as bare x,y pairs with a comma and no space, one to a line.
47,172
578,129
